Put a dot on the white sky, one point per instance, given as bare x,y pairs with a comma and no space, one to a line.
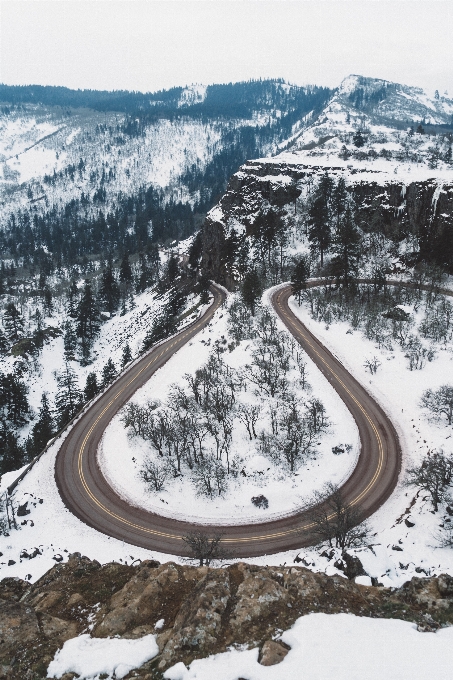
151,44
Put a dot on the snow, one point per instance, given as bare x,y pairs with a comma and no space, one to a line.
340,646
121,457
398,390
89,657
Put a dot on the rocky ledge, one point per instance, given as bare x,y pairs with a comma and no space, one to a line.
199,610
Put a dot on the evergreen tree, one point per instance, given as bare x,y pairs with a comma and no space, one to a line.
109,292
73,294
13,399
358,139
126,276
346,248
251,290
48,302
42,430
127,355
4,344
204,284
87,320
195,251
69,341
69,398
319,234
108,373
13,322
91,387
300,276
172,272
12,455
339,199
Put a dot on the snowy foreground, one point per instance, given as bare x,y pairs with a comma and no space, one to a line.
323,646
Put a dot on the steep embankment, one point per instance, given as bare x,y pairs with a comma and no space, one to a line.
199,611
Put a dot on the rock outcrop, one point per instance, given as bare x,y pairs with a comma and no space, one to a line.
199,611
423,209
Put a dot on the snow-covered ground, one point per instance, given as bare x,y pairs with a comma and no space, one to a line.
398,390
121,457
340,646
52,529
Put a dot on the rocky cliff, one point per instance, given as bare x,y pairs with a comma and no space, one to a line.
396,208
205,610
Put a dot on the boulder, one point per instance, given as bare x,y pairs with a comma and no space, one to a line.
272,653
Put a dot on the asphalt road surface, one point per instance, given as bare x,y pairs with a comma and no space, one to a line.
87,494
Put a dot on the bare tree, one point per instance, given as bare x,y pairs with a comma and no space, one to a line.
337,522
204,548
210,478
434,475
249,415
155,475
439,403
372,365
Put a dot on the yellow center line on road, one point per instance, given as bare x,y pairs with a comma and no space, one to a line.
262,537
104,411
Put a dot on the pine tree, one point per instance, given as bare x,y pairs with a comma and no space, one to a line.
358,139
4,344
339,199
204,284
172,268
91,387
87,321
73,294
126,276
127,355
48,302
13,322
14,405
319,233
12,455
42,430
300,276
69,341
109,292
68,399
251,290
108,373
346,248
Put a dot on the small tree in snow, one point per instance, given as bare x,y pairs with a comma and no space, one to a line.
439,403
337,522
372,365
204,548
434,475
155,475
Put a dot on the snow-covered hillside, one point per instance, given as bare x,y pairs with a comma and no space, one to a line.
375,129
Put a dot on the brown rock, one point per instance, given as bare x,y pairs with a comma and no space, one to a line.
75,600
13,588
198,624
18,626
59,629
45,601
272,653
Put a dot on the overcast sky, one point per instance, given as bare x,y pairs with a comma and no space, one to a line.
152,44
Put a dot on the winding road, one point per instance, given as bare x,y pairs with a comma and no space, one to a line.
87,494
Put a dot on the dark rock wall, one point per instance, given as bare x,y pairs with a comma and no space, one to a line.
423,209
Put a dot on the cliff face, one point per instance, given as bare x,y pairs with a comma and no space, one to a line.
205,610
397,208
